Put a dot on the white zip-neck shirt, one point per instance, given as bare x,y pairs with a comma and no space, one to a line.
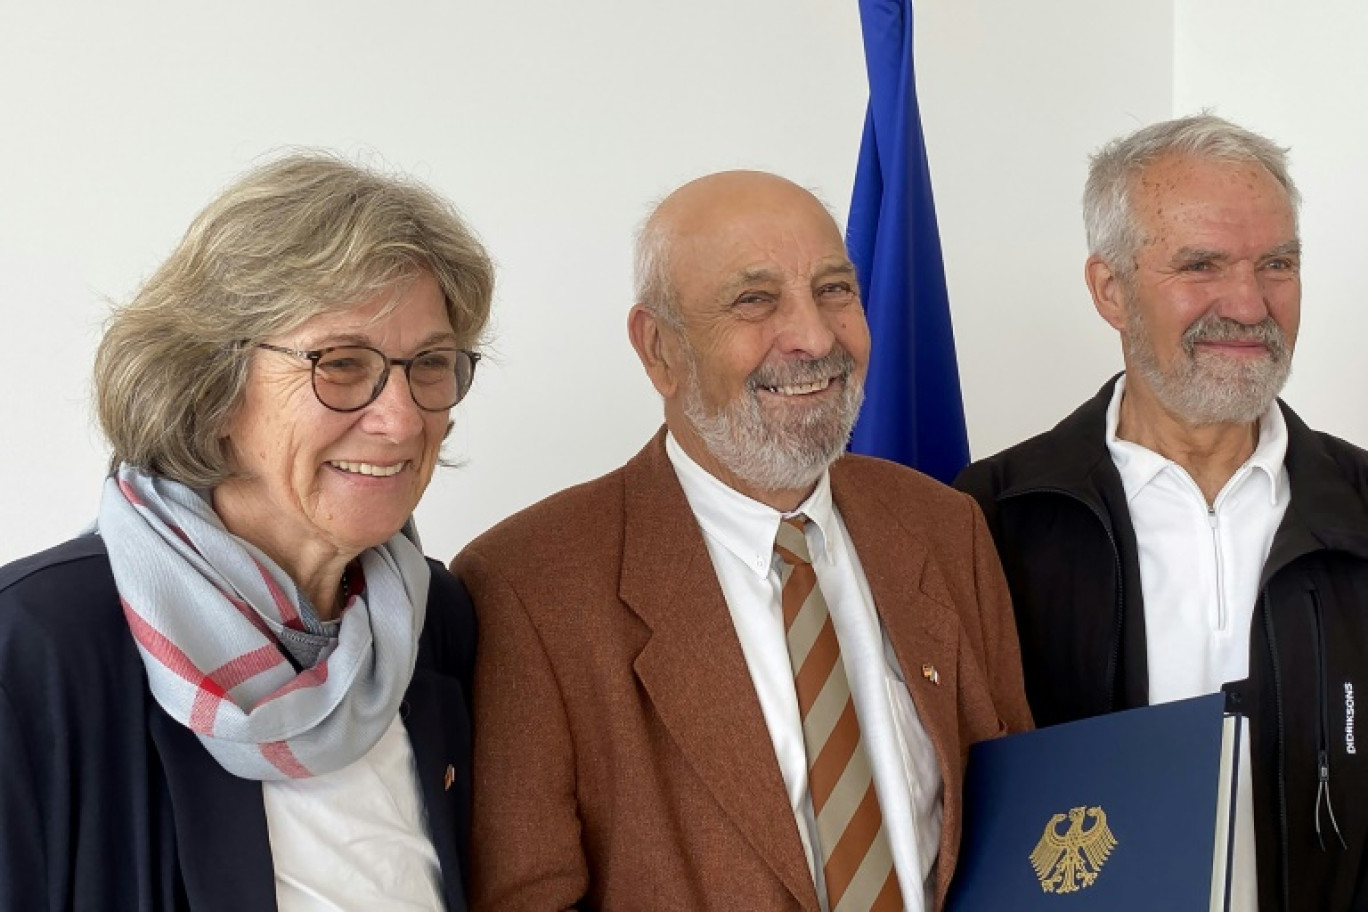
1200,565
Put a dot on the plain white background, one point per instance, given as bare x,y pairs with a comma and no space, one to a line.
553,125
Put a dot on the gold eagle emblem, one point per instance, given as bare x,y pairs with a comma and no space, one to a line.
1070,861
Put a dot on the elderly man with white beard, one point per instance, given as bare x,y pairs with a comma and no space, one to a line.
743,670
1185,532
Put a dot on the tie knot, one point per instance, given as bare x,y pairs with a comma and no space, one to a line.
791,543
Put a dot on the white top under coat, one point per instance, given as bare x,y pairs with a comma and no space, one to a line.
1200,565
356,838
1199,574
739,533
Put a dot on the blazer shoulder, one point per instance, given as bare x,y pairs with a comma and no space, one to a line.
88,547
573,515
445,591
64,639
449,622
65,589
897,481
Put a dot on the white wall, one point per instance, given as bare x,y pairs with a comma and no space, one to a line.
1014,98
552,125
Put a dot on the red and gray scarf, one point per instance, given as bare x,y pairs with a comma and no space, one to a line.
215,618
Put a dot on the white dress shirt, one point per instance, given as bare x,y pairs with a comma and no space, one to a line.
739,533
1200,566
356,838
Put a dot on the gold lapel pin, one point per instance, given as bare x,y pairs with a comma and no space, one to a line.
929,672
449,778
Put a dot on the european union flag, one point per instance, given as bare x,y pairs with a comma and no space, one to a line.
913,412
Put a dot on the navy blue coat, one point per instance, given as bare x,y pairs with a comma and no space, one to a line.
1058,513
107,803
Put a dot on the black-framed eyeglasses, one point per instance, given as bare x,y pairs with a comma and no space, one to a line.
347,378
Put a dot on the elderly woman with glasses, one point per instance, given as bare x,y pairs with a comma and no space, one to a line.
248,689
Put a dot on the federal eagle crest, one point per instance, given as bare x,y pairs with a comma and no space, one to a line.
1070,861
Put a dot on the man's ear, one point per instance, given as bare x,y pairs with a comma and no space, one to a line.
656,348
1108,291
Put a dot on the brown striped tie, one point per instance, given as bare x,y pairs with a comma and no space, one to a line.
856,858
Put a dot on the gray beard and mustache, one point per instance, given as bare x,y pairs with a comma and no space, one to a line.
1207,388
786,448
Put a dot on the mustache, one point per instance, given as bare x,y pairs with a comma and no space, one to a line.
836,363
1214,328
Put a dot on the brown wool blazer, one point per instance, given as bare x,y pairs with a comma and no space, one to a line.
621,758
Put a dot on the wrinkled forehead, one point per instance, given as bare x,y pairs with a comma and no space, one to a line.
1176,181
779,244
1212,202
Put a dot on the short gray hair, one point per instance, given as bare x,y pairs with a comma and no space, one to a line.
301,236
1114,233
652,285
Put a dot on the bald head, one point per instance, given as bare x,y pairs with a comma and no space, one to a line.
698,210
749,325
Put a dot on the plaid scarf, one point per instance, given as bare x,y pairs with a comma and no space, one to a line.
214,619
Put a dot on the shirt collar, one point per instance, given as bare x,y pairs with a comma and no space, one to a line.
1139,465
743,526
1269,455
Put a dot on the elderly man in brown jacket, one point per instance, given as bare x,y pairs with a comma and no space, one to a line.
743,670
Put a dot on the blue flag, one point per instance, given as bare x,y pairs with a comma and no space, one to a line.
913,412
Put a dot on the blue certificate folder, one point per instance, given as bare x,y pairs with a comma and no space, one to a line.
1145,800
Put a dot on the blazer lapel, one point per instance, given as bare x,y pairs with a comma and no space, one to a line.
913,604
694,671
429,706
221,838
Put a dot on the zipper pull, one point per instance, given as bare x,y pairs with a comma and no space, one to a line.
1323,792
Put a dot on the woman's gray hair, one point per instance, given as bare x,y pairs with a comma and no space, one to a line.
1114,233
301,236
